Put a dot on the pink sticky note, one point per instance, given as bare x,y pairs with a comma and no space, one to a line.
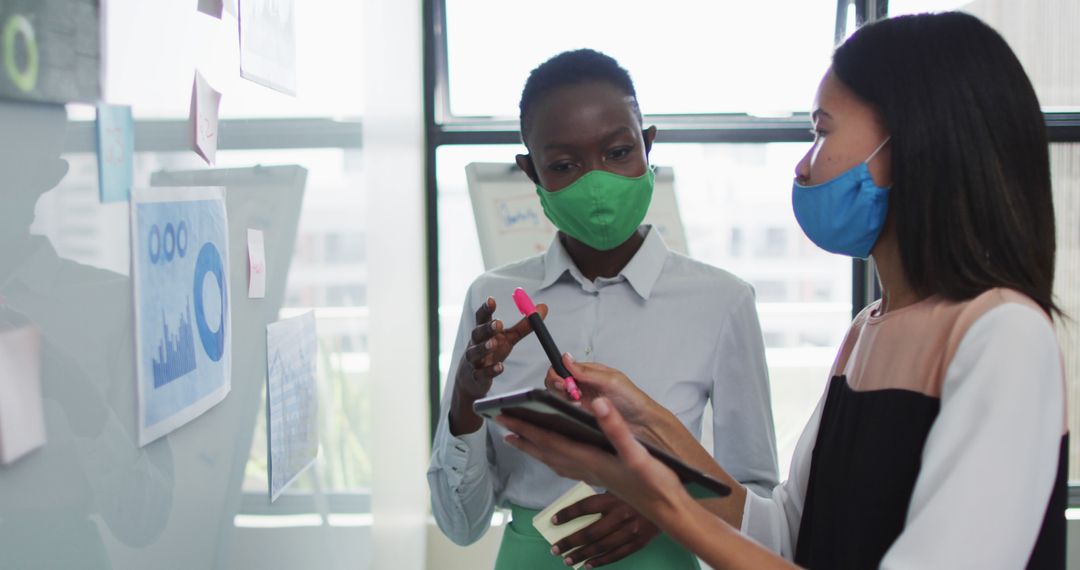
22,412
204,118
256,265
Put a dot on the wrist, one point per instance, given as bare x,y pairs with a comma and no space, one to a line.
654,425
463,419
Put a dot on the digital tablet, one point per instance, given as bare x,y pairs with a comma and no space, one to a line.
543,409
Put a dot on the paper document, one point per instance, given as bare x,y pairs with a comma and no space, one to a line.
205,102
268,44
180,269
292,403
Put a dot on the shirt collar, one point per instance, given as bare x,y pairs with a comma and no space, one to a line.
641,272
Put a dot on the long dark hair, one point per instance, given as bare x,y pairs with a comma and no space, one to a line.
971,195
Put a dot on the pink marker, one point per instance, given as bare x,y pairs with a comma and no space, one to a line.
525,305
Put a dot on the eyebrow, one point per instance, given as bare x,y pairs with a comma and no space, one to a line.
606,137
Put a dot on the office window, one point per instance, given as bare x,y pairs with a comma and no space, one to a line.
1065,172
686,56
743,172
1041,32
735,248
1043,35
773,242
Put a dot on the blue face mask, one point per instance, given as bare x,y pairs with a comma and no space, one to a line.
846,214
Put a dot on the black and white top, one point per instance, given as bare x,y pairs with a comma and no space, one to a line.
939,443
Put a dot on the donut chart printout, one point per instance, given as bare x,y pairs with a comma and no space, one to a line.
183,348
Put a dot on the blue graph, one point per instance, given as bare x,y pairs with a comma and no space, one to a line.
175,352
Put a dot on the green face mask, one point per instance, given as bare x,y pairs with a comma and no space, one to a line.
600,209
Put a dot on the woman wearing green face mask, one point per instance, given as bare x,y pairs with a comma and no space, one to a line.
616,294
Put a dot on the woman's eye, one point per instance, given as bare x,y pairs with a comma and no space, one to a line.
560,166
817,132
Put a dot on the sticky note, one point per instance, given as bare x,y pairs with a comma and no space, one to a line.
256,265
554,533
22,413
116,146
205,102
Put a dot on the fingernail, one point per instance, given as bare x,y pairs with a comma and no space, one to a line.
568,561
554,520
499,367
587,567
494,325
600,407
560,385
570,357
555,550
490,343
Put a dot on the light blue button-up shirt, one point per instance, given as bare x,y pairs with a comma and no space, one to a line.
683,331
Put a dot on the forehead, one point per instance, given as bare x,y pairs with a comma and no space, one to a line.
835,99
578,114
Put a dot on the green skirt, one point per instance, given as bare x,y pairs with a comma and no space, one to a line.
523,548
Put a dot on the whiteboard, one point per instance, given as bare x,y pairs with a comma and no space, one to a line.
91,497
511,224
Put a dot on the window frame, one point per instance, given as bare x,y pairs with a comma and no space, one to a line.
444,129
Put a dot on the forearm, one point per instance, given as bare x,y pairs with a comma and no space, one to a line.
718,543
462,488
461,508
463,420
665,430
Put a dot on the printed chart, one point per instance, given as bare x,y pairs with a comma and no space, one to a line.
292,402
182,325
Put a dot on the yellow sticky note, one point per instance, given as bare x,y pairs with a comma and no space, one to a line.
554,533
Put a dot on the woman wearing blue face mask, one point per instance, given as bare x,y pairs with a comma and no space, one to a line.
940,440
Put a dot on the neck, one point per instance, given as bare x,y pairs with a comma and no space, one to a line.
896,289
594,263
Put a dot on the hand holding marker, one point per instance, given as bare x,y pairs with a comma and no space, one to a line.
525,305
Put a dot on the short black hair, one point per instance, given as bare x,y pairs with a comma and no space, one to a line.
971,196
574,68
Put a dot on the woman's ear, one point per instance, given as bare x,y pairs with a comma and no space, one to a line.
648,135
525,163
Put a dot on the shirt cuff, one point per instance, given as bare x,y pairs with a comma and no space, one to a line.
466,455
756,522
